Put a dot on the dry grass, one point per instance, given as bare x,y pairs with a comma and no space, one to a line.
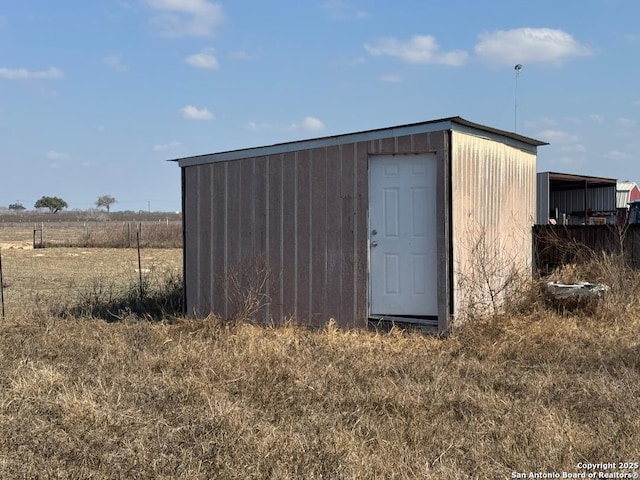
39,281
102,232
83,398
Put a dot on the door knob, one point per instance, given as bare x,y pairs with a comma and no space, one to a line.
374,244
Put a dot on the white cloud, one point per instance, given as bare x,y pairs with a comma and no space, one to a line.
528,45
391,78
558,136
115,63
255,127
166,146
53,155
178,18
350,62
626,122
100,128
312,124
194,113
24,74
576,147
205,59
636,103
617,155
341,10
594,117
544,122
632,37
419,49
240,55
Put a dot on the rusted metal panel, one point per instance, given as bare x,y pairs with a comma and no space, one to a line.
493,208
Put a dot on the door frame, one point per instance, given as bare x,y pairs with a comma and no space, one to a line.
444,250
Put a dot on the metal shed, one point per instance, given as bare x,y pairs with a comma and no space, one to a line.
626,192
573,199
380,224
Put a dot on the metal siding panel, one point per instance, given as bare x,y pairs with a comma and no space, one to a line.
289,251
219,197
259,257
542,198
493,201
191,240
405,144
361,192
233,222
421,142
388,145
247,210
205,196
348,210
275,238
318,236
334,236
439,143
622,198
303,237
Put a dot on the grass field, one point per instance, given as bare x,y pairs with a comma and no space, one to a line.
81,397
90,229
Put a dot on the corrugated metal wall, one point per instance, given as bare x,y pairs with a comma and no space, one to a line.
572,202
542,198
493,189
289,229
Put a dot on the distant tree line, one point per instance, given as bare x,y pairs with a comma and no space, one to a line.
57,204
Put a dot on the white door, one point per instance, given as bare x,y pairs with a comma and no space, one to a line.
402,235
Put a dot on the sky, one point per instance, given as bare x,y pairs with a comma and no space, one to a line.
96,96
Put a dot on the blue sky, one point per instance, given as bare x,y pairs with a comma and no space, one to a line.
96,95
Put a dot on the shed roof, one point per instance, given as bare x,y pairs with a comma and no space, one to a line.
570,181
449,123
626,186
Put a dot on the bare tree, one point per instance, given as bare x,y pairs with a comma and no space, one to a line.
105,201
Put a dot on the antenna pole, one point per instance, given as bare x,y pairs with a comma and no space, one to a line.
518,67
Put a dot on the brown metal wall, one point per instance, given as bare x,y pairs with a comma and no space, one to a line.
300,215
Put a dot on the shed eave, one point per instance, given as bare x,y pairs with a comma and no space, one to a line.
450,123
